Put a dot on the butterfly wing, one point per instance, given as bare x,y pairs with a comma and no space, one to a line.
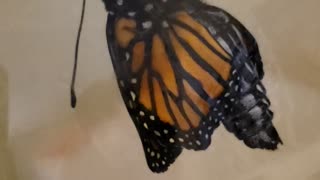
172,75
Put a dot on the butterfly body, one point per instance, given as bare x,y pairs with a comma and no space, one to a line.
184,67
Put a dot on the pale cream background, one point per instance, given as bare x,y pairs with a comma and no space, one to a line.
98,141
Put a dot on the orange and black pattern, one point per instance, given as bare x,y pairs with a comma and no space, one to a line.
183,67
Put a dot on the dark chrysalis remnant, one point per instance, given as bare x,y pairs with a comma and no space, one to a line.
184,67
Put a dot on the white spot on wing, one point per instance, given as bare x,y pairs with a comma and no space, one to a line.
120,2
233,41
157,133
224,45
131,104
131,14
198,142
240,37
148,7
234,72
134,81
212,30
147,24
127,56
165,24
259,87
146,125
249,68
236,88
133,95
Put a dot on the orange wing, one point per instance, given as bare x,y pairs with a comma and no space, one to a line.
169,79
176,101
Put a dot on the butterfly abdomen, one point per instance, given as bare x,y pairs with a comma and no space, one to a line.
253,124
250,118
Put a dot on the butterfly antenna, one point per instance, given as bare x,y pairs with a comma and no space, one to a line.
73,94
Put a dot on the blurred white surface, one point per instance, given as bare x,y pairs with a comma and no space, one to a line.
50,141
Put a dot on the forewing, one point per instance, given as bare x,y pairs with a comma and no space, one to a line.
130,56
173,80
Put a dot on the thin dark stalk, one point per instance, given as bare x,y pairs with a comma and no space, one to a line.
73,94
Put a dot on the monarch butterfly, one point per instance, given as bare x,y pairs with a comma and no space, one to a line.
183,67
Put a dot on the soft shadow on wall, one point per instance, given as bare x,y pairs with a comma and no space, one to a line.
7,168
45,150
